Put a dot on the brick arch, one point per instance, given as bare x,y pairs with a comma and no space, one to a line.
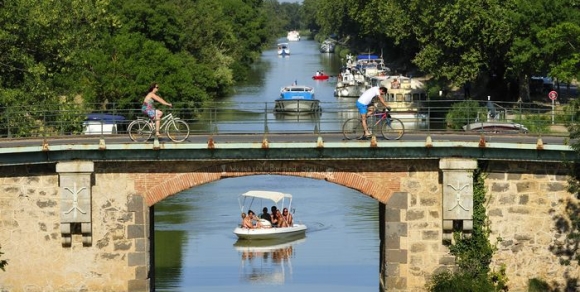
368,183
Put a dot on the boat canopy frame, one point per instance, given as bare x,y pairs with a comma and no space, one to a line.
278,198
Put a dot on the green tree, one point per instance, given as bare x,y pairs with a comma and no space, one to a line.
87,55
501,43
562,42
308,14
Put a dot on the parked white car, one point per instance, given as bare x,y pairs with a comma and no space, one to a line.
96,124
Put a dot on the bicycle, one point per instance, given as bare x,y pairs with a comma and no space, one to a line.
391,128
141,129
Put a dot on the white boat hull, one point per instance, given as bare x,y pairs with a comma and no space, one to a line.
297,106
349,90
270,233
412,120
496,127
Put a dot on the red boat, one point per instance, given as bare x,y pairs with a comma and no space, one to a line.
320,77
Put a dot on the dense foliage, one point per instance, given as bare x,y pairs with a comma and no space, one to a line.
473,253
465,113
496,43
110,51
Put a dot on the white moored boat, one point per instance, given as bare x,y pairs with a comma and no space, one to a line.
263,199
405,96
297,99
293,36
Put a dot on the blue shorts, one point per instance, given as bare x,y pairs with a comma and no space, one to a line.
362,108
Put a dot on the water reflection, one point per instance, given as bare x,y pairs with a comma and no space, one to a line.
267,261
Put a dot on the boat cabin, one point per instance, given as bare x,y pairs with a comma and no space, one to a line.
405,99
408,91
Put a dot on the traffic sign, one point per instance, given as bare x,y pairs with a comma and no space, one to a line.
553,95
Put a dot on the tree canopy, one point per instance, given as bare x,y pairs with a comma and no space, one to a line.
109,51
464,40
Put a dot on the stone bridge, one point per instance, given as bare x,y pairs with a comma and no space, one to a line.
77,218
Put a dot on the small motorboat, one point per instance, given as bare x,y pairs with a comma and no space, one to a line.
265,198
320,77
297,99
283,49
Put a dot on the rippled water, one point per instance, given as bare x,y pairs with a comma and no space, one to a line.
196,250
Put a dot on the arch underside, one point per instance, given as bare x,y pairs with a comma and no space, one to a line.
376,180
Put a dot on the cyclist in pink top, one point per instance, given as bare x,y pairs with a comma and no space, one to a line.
149,109
365,100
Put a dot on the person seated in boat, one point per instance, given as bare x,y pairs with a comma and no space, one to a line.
265,215
287,217
246,221
274,218
395,84
281,221
318,73
254,222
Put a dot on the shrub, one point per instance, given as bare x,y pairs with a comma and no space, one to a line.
465,112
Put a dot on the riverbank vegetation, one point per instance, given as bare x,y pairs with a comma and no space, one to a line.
494,45
109,52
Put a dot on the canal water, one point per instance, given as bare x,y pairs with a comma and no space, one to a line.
195,248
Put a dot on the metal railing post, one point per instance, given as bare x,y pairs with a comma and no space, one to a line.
266,118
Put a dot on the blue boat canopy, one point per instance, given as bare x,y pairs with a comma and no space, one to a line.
367,57
297,95
105,118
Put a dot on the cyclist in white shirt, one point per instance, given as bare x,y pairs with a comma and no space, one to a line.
365,100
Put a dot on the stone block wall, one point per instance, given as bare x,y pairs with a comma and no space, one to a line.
423,217
526,206
30,235
526,200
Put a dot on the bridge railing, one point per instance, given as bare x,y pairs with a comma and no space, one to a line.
260,117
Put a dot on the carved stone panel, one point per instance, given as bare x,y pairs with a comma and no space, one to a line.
75,205
457,193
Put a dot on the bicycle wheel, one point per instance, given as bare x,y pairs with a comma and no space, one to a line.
392,129
177,130
139,130
352,129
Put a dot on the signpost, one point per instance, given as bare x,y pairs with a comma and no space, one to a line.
553,95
